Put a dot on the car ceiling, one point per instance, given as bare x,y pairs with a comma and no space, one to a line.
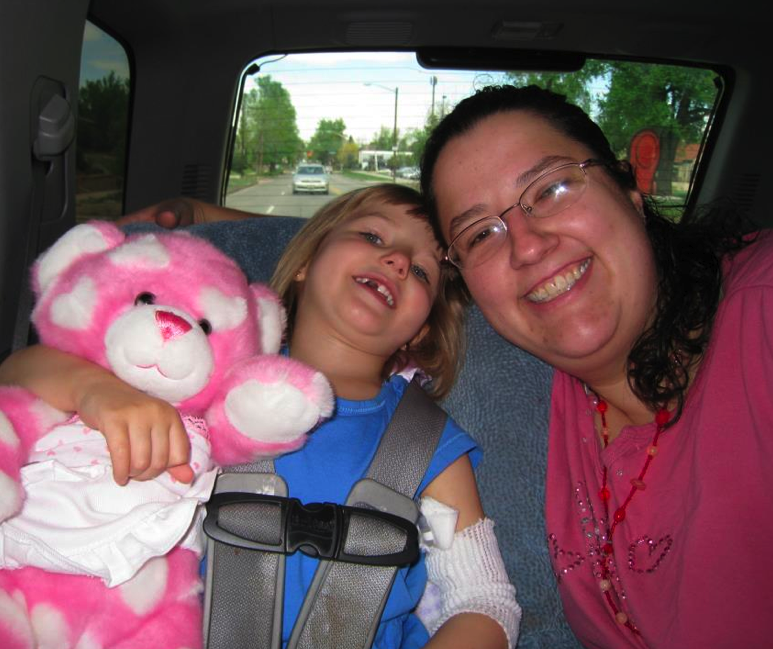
692,30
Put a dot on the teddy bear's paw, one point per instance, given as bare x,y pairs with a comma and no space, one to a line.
266,407
278,411
11,496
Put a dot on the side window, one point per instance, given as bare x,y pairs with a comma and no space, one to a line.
363,117
103,114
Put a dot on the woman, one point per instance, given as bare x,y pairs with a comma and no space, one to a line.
662,404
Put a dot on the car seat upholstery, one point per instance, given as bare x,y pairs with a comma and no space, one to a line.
501,398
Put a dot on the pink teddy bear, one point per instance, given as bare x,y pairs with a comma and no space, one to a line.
87,563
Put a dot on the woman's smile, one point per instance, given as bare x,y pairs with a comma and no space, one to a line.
559,284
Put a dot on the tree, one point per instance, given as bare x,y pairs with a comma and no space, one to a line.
673,101
327,140
267,135
348,155
576,86
676,102
103,108
418,137
383,140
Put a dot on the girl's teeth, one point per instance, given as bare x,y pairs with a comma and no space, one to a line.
375,285
559,284
383,290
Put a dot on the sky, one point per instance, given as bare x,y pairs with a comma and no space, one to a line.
335,85
101,54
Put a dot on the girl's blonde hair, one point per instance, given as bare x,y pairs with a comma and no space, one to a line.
440,351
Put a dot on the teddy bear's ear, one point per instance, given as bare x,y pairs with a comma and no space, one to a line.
272,318
80,241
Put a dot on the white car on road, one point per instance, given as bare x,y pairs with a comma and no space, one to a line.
310,178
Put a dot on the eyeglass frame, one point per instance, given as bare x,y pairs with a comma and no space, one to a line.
526,209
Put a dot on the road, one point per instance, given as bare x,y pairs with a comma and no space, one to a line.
275,196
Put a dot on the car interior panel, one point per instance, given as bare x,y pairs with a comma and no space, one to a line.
187,62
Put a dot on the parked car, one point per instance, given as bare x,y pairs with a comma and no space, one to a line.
112,105
409,173
311,178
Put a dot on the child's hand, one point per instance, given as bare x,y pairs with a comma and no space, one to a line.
145,435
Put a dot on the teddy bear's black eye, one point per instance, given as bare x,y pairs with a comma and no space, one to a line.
206,327
145,298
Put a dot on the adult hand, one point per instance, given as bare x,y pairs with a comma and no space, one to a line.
182,211
172,213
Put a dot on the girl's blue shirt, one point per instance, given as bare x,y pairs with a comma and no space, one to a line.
336,456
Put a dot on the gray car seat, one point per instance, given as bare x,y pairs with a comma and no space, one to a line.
502,399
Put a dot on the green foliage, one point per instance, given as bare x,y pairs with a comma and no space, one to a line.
348,155
416,139
267,136
384,139
327,140
675,102
576,86
103,109
666,98
632,96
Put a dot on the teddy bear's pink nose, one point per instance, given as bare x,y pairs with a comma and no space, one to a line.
171,325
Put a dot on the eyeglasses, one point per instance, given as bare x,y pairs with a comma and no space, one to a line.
551,193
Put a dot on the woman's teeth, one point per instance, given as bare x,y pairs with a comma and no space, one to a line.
559,285
378,287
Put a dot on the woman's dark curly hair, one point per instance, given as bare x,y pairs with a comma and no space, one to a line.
688,253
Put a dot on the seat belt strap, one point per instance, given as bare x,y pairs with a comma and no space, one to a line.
345,601
245,588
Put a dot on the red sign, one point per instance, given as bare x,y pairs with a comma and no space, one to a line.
644,156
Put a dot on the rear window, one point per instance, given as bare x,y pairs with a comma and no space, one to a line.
363,118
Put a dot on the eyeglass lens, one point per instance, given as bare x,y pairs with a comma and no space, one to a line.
546,196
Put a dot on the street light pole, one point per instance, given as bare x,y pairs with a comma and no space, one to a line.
394,129
394,142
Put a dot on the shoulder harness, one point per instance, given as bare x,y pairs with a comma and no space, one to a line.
252,525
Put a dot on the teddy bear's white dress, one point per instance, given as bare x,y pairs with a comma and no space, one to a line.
77,520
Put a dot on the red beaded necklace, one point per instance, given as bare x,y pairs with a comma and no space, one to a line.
637,484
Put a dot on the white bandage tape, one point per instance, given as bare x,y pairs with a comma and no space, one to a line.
470,577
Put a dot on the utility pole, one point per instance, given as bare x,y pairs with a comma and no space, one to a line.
433,83
394,129
394,142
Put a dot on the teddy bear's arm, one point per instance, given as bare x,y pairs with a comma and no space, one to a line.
267,406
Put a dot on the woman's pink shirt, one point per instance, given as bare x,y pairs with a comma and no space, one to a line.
693,560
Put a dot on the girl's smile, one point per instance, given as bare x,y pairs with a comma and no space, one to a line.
384,289
372,281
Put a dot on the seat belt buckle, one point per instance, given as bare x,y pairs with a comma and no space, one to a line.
314,529
319,530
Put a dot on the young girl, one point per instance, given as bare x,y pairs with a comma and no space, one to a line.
368,297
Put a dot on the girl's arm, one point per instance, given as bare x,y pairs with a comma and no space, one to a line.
144,435
457,488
